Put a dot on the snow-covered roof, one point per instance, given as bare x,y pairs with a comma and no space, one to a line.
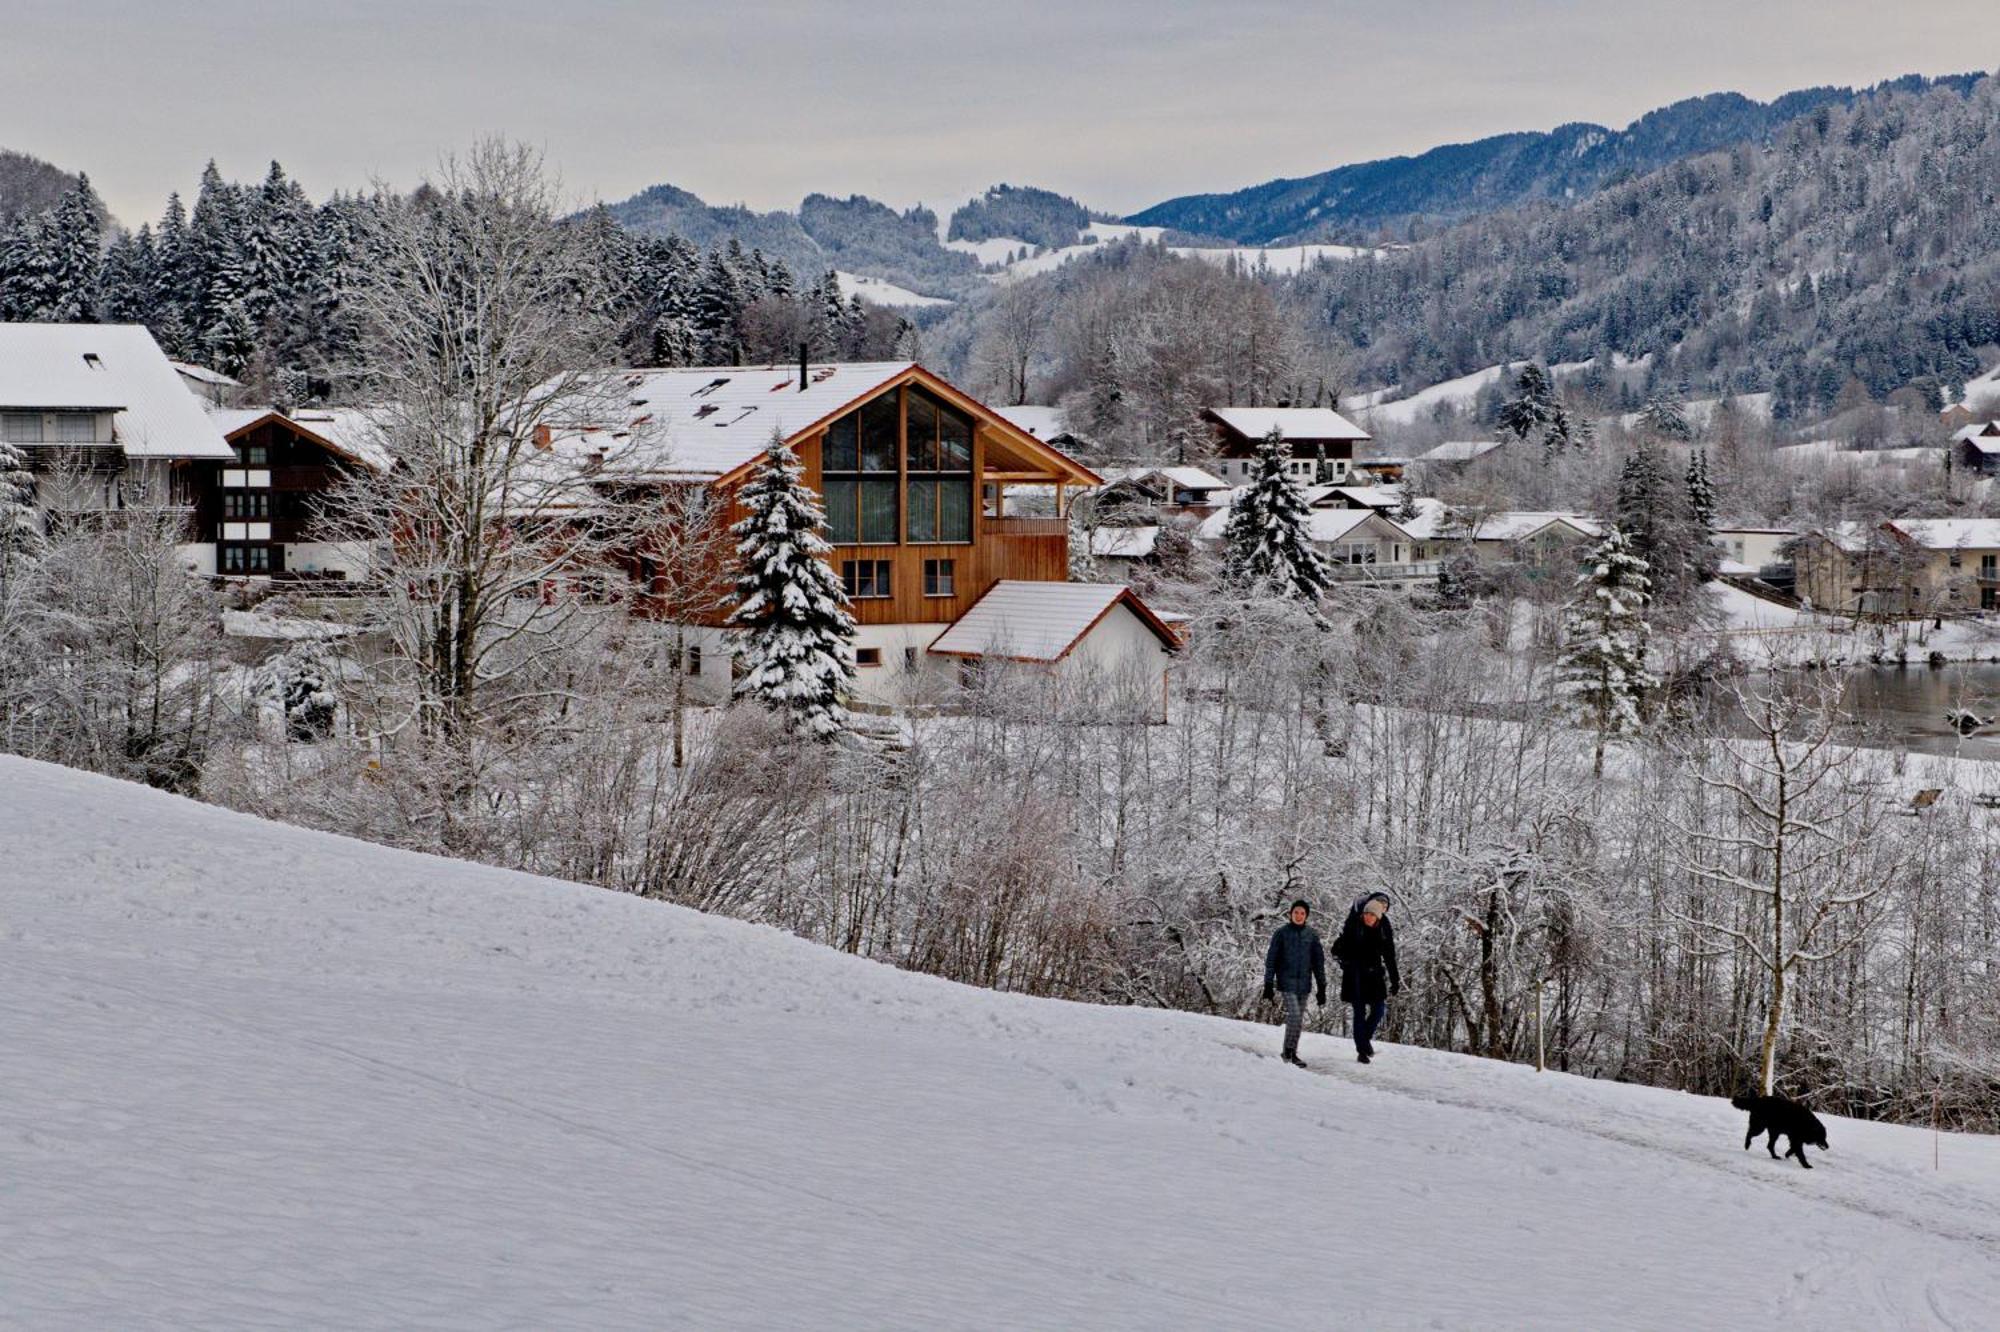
1372,497
1181,478
1432,524
1044,423
1986,434
1458,451
1951,533
1124,543
108,368
1294,423
707,422
355,431
1028,621
350,430
1322,525
201,374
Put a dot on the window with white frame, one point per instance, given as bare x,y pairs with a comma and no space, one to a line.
21,427
76,428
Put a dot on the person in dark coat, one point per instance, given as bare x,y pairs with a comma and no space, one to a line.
1366,951
1294,966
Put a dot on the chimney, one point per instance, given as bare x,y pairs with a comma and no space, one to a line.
805,373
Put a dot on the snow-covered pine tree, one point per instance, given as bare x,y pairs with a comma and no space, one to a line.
793,614
20,525
1700,492
1533,403
1267,541
1664,416
1322,468
1603,662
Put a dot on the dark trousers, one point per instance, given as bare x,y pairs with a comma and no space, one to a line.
1367,1017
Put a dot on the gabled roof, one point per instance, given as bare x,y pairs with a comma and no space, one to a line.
350,432
1979,432
1124,543
1043,622
1949,533
713,423
1322,525
1379,498
201,374
1294,423
1183,478
114,368
1458,451
1432,524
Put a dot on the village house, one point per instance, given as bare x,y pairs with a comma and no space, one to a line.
1455,455
1360,544
1978,447
1316,439
1159,491
1906,567
1547,541
103,419
915,476
262,513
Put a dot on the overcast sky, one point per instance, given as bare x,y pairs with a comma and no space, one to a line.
1121,103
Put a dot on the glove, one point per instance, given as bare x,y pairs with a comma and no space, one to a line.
1395,988
1270,993
1320,998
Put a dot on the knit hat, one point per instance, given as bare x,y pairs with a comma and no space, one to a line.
1377,905
1298,904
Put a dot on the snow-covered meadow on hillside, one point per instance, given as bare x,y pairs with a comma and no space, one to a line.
261,1076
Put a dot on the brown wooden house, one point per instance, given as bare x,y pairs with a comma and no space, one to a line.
259,514
915,476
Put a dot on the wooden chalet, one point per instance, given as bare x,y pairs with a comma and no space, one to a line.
915,476
1310,433
258,514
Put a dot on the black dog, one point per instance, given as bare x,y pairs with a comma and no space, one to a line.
1779,1116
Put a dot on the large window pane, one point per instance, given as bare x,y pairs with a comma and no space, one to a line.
922,433
955,510
842,527
923,511
21,427
878,512
954,441
840,454
879,442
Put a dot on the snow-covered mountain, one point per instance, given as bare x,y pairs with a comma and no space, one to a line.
259,1076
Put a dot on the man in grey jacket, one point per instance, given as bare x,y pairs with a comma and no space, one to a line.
1295,966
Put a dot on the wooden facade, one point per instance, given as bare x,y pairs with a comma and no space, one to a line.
267,497
999,546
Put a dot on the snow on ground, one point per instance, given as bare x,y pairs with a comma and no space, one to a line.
1284,259
258,1076
1982,392
883,292
1459,393
1767,633
996,250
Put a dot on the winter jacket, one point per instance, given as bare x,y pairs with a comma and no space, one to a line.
1295,962
1367,957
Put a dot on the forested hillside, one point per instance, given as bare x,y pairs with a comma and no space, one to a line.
1863,244
1462,180
29,185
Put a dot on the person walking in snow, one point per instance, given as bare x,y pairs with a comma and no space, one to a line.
1366,951
1295,966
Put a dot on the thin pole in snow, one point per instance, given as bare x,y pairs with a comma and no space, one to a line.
1540,1065
1937,1134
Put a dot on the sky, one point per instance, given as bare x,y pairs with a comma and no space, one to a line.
1120,103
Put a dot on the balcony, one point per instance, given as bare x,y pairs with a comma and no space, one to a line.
1027,527
1387,573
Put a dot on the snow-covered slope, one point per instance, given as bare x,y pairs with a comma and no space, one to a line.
882,291
256,1076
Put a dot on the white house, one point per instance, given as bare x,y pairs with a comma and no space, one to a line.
1361,544
102,416
1310,434
1097,640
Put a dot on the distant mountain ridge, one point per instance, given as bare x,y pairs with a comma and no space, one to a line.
1461,180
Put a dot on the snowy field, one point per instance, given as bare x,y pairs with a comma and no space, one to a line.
882,291
261,1077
